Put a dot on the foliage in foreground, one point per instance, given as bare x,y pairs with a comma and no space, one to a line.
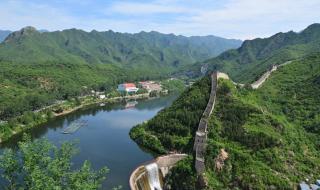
40,165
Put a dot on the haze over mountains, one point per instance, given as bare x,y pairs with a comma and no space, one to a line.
4,34
255,56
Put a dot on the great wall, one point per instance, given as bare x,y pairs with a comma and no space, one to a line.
144,176
141,179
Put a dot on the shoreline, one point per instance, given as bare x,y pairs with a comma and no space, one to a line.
20,130
106,100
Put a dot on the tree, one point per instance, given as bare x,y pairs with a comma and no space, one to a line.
41,165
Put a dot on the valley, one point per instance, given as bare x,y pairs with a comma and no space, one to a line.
158,102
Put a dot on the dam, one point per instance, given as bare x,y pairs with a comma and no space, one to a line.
150,175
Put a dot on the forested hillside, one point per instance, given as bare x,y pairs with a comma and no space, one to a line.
271,135
37,68
173,128
255,56
145,49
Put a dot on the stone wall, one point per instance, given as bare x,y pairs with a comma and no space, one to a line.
201,135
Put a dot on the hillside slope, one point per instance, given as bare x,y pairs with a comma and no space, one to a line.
141,51
37,68
255,56
271,135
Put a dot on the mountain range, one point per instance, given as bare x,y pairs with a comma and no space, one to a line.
144,50
254,57
36,68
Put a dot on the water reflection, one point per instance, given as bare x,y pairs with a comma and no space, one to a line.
105,141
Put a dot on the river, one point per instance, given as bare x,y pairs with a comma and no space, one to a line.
105,140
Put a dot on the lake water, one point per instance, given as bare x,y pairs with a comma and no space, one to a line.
105,140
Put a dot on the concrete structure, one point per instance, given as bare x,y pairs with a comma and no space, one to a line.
139,177
127,87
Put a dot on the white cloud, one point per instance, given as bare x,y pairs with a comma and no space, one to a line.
16,14
231,18
132,8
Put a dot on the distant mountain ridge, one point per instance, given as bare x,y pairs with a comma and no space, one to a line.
4,34
144,49
37,68
255,56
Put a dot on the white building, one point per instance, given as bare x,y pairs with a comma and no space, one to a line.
127,87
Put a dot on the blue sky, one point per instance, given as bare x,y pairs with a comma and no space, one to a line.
241,19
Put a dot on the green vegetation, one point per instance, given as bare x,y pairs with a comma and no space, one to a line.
40,165
254,57
271,134
173,128
183,170
37,69
174,85
21,123
26,87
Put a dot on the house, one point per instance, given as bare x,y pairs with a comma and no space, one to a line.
127,87
150,86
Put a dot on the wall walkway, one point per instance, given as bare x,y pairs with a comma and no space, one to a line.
201,135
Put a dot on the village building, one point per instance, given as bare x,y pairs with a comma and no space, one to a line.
150,86
127,87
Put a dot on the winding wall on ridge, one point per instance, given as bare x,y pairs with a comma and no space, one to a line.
201,135
166,162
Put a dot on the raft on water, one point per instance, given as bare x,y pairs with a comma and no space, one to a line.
74,127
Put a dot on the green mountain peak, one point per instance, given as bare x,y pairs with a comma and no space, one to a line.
24,32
